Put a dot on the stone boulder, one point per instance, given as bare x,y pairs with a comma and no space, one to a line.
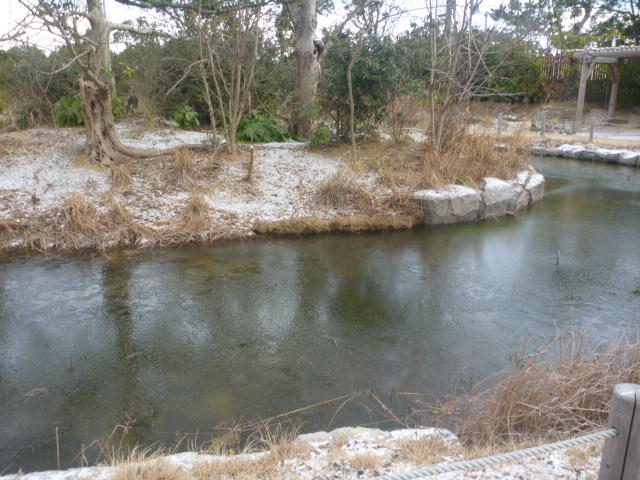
456,203
535,187
498,197
452,204
629,159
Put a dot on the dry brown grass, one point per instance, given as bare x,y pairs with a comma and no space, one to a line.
426,450
182,171
581,456
121,178
194,219
281,442
343,191
277,442
562,390
473,156
150,470
80,225
367,461
10,145
353,223
80,221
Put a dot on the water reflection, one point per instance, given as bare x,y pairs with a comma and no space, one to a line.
181,340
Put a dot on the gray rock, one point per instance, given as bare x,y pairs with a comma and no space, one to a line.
314,438
629,158
345,434
609,156
452,204
535,187
588,155
499,197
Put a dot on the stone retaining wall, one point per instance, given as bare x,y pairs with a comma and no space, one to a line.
589,152
457,203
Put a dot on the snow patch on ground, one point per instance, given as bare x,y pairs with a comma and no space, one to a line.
49,167
37,182
160,138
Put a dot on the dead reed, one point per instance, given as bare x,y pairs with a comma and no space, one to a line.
561,390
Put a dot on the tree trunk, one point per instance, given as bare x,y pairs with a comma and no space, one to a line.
352,110
103,142
308,55
97,92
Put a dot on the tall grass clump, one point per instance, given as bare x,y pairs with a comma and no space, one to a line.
561,390
121,178
342,190
471,156
182,171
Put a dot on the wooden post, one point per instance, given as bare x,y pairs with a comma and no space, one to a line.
592,127
582,91
621,454
615,84
249,177
499,123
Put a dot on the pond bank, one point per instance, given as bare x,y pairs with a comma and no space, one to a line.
347,453
627,158
52,200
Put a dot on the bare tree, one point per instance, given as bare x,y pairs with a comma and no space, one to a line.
84,28
228,51
458,72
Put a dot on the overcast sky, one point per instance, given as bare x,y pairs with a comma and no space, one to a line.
12,12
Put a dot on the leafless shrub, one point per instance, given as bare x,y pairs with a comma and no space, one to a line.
403,112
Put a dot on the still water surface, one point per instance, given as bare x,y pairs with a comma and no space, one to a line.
181,340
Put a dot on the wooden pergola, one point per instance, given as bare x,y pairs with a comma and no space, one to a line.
614,57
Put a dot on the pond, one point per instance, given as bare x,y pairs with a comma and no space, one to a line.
177,341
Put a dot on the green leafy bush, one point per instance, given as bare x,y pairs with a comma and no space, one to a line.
118,107
68,111
260,127
186,117
321,136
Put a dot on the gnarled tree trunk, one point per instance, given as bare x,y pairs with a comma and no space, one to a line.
103,142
